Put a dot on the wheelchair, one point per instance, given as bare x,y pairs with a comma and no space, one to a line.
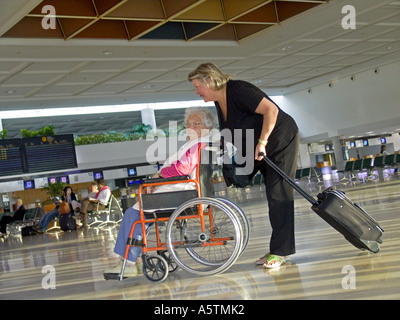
204,235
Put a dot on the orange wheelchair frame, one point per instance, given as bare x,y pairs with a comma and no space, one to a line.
208,233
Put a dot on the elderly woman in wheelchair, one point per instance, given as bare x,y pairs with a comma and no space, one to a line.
185,164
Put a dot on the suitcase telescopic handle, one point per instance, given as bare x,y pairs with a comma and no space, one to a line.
289,180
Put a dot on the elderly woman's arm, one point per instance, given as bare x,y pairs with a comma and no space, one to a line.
184,166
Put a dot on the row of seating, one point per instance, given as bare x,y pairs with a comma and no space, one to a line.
110,215
31,217
307,173
353,167
303,173
370,166
300,173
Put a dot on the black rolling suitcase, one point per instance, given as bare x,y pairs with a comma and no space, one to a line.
353,222
67,222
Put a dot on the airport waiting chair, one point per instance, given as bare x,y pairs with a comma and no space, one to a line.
389,160
377,168
306,173
55,225
298,175
347,169
113,214
390,163
318,174
379,161
397,164
367,167
258,180
357,168
31,217
303,173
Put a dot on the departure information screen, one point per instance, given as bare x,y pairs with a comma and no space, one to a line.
37,154
11,157
50,153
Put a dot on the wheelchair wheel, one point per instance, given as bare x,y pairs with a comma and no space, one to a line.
172,265
208,244
155,268
242,219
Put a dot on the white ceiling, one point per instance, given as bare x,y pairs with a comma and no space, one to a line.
308,49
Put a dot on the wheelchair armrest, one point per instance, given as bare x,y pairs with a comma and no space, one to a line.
158,180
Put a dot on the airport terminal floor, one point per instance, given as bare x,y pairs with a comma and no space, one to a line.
325,267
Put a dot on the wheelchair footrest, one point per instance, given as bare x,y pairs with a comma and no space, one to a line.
112,276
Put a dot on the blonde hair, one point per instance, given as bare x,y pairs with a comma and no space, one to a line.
210,75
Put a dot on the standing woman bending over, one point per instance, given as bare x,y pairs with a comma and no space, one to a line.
241,105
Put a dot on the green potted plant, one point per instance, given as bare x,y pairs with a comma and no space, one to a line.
46,131
3,134
53,190
139,131
106,137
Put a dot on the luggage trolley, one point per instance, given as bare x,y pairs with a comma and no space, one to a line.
204,235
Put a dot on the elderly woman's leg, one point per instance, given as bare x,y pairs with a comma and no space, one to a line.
132,268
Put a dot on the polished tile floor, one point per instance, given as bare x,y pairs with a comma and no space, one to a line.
69,265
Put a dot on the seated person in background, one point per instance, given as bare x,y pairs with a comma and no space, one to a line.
18,215
92,194
69,196
383,150
198,123
93,189
100,201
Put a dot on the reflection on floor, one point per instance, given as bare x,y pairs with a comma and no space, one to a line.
325,266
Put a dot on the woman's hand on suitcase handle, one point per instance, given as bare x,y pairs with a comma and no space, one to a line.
260,152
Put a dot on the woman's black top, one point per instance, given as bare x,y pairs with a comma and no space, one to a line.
242,99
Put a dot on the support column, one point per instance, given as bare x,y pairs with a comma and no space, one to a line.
337,147
149,118
304,160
